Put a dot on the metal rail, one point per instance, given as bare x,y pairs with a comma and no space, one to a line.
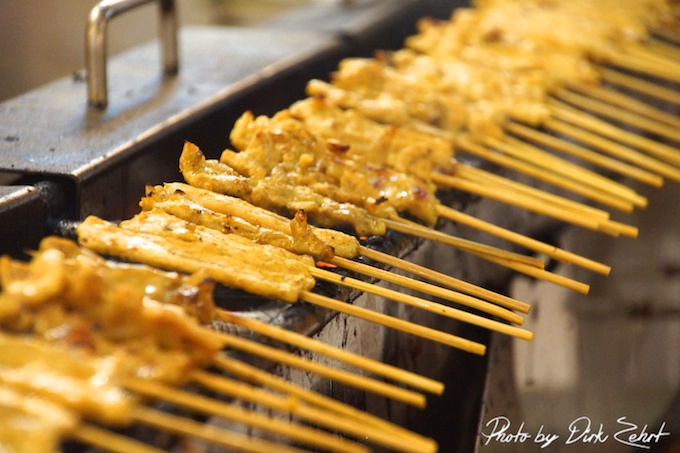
96,43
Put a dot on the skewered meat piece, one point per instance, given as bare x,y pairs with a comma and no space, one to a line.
383,95
79,382
31,424
191,292
271,272
230,214
460,40
284,148
560,39
496,61
402,149
268,193
73,300
447,93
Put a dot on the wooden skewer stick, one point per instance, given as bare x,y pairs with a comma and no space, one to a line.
427,288
578,179
315,415
445,280
627,117
644,66
614,149
593,157
647,54
519,267
669,33
574,116
523,167
558,280
352,379
513,164
255,375
423,304
190,428
209,406
603,225
418,230
524,241
484,177
501,183
364,363
110,441
640,86
662,49
628,103
394,323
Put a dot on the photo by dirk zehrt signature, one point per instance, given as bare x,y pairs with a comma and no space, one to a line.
580,431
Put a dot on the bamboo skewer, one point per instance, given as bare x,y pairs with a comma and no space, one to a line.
628,103
627,117
524,241
519,267
614,149
644,66
576,117
316,416
304,342
426,288
209,406
345,377
530,170
110,441
665,49
484,177
180,425
252,374
668,33
648,54
523,167
394,323
640,86
577,178
418,230
424,304
603,225
592,157
445,280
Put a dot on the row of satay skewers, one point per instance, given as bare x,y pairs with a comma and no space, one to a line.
366,153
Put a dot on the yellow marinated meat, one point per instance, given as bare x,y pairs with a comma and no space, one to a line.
32,424
385,95
76,380
194,293
592,28
403,149
233,215
105,309
447,93
558,38
343,244
496,61
461,40
269,193
259,269
491,95
284,148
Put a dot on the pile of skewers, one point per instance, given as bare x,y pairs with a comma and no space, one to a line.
516,84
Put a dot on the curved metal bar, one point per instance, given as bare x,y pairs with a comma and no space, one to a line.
96,43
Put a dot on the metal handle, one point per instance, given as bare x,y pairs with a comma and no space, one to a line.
96,43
